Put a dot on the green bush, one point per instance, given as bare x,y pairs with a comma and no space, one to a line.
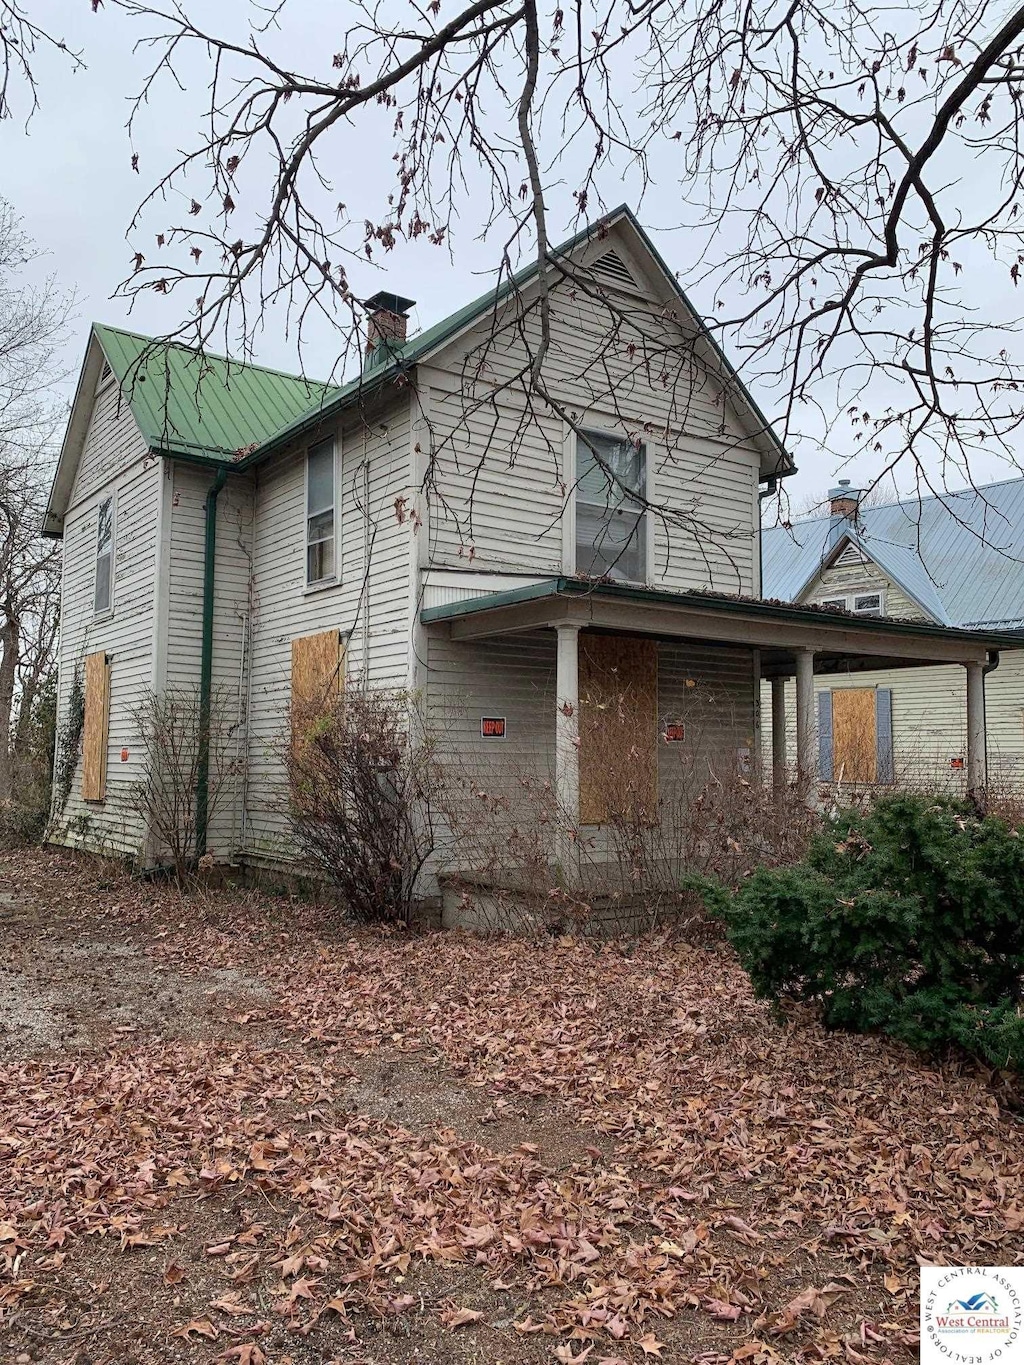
907,918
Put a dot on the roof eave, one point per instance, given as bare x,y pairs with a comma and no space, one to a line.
781,611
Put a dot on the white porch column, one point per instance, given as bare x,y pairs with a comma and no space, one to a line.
567,749
977,758
778,735
806,728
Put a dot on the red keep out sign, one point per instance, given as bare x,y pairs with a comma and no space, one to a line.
492,727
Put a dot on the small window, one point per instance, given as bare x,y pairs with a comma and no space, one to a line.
611,524
102,597
833,602
321,550
868,604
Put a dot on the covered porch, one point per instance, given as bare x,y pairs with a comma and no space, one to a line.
784,642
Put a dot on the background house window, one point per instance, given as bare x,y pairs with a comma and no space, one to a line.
320,537
868,604
104,557
833,602
611,525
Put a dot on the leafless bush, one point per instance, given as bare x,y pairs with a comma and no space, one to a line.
361,798
704,814
169,725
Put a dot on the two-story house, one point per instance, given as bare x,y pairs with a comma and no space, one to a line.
953,560
511,548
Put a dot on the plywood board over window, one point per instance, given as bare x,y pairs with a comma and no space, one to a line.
317,662
855,735
618,728
96,727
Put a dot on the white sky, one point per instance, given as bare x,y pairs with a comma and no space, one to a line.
68,175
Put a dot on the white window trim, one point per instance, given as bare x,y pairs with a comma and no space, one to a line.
103,614
869,592
569,565
847,600
321,584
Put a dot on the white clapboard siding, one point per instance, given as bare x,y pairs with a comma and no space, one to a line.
710,689
115,460
501,464
929,720
184,617
498,477
370,604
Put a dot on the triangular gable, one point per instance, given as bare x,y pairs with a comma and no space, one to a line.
900,565
775,461
74,438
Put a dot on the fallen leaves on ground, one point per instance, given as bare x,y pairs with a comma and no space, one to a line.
771,1192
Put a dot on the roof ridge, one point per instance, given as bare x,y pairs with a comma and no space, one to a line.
215,355
900,502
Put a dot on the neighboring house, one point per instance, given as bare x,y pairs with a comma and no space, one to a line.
433,526
955,560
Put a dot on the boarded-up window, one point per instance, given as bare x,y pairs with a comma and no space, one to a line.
95,727
855,735
618,729
316,675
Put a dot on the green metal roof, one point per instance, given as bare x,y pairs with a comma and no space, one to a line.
204,406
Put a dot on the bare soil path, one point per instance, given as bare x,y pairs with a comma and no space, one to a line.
231,1130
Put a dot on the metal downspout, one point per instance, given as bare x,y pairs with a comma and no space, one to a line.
206,663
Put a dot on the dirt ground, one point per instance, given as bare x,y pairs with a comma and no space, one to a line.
232,1130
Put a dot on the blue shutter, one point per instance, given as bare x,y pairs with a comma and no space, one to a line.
885,769
824,736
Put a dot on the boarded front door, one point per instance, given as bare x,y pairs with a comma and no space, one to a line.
618,729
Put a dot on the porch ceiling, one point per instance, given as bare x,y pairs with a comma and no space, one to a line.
840,641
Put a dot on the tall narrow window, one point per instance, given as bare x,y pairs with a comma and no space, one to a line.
611,525
320,533
104,557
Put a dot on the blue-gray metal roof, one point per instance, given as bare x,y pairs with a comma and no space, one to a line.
960,556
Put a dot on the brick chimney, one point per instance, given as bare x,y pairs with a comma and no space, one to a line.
844,500
387,325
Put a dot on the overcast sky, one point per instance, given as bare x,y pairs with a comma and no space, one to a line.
69,176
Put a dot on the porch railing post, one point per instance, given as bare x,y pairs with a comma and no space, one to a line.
778,736
806,728
977,756
567,750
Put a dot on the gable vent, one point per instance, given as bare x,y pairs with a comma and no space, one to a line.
612,267
106,375
852,555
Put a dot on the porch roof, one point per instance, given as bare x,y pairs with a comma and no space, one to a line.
840,641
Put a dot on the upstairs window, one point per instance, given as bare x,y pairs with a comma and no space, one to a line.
103,594
321,552
867,604
861,603
611,524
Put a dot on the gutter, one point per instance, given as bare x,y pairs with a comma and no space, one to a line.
206,661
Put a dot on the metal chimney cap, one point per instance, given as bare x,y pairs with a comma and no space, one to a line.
389,303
